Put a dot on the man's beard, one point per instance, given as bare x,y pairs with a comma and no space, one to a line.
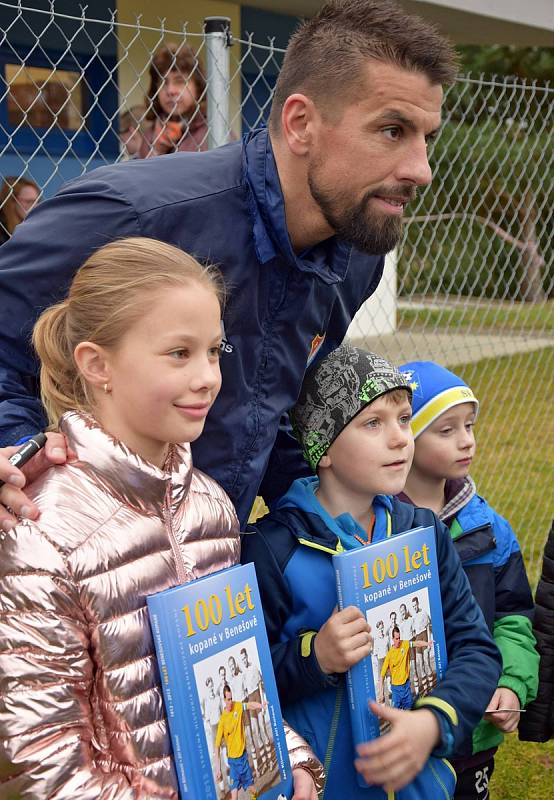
374,234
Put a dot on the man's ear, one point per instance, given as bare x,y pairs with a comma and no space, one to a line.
324,462
93,364
298,120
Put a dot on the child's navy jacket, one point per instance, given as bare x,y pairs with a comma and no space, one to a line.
291,549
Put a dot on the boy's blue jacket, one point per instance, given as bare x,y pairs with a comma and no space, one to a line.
225,207
292,549
492,561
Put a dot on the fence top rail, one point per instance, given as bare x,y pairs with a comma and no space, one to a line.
249,43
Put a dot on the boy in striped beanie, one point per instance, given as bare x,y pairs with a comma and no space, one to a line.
444,413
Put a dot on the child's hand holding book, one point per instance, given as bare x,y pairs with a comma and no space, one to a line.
395,758
343,640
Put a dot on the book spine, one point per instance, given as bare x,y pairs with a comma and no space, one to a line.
355,712
178,740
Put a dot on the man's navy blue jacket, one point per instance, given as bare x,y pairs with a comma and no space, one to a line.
225,207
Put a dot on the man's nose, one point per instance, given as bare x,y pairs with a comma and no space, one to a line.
416,168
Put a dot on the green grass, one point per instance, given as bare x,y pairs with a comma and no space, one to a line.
523,771
500,317
514,470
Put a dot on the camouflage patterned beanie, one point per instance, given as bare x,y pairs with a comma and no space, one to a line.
334,391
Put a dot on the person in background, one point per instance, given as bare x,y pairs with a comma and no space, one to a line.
176,102
445,410
211,711
422,633
254,690
378,653
17,197
537,724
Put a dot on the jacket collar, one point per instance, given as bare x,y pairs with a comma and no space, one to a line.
123,474
458,492
323,530
328,260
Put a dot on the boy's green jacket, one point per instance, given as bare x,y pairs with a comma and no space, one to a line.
492,561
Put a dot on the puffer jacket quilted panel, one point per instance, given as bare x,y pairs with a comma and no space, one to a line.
81,712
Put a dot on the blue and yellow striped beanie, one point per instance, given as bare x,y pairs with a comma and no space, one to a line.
434,390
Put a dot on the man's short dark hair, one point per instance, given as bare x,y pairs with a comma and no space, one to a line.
325,54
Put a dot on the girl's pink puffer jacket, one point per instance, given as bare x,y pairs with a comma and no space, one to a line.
81,712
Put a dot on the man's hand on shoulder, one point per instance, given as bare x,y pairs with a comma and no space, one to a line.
12,497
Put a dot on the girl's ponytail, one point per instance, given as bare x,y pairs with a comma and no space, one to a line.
61,388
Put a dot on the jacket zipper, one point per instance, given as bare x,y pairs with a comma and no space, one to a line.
332,734
182,572
439,781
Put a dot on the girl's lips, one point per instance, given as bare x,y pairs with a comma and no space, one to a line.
464,461
195,412
395,465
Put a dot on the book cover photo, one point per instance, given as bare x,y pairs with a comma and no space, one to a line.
395,583
219,689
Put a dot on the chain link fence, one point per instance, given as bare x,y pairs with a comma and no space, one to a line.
470,285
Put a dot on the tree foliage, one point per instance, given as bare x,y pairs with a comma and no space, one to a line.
532,63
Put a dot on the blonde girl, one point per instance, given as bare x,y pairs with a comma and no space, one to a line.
130,369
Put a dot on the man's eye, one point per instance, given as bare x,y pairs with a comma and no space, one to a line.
393,132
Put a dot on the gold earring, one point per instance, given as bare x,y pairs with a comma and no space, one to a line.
107,389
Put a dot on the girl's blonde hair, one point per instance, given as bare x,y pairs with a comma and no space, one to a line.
109,293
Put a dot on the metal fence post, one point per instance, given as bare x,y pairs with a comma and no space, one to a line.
217,33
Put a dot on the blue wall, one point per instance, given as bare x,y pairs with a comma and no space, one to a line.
256,90
54,157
